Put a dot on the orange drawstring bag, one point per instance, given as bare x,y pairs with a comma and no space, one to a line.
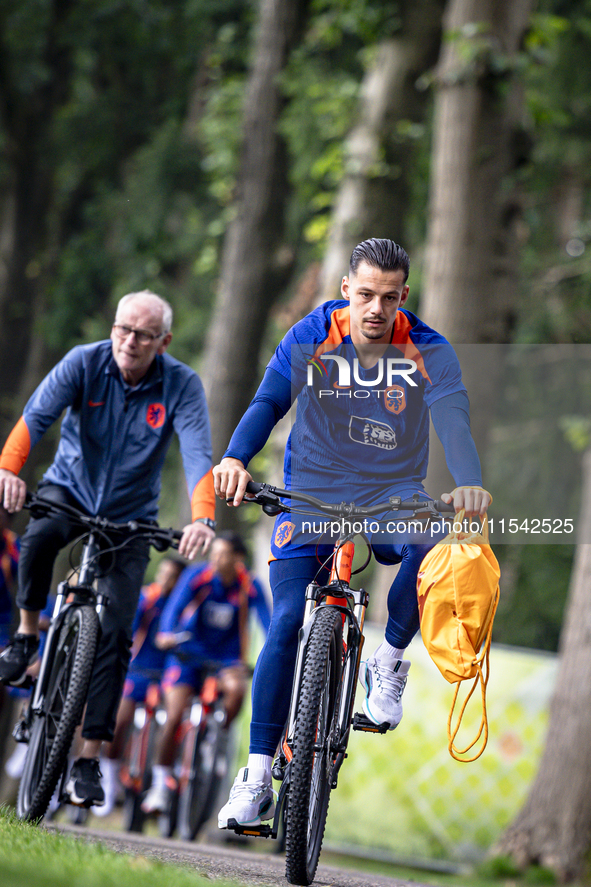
458,594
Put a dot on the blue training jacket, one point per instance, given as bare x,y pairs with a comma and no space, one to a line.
114,438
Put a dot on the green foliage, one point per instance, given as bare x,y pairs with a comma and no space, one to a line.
504,868
556,264
321,84
498,867
131,206
535,582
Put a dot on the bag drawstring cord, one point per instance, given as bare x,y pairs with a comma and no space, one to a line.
482,678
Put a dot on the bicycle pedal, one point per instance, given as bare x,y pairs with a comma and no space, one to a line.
363,723
257,831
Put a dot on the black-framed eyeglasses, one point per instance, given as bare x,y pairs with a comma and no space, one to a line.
143,336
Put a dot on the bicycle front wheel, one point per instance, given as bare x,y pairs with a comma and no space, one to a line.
309,789
53,727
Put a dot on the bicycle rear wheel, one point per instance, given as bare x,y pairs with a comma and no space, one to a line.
198,798
309,789
139,757
53,728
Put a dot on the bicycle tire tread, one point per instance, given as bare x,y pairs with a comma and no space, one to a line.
299,870
81,671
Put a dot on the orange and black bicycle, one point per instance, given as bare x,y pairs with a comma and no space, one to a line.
317,731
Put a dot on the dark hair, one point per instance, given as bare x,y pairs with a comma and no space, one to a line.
235,541
381,253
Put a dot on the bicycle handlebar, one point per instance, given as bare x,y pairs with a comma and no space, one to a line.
269,497
160,537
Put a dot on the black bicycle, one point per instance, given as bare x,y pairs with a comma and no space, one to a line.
49,722
202,761
314,744
135,773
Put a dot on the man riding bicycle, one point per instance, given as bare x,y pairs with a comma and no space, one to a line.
367,374
205,620
124,399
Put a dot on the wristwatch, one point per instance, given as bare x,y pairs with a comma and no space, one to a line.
205,520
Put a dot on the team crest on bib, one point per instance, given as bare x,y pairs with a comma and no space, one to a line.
284,533
395,399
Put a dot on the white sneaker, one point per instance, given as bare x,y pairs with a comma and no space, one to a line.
15,764
157,800
252,799
384,680
111,786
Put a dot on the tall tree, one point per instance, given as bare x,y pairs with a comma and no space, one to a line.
471,262
553,828
254,266
380,154
471,257
35,68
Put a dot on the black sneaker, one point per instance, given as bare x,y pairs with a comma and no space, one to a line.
84,784
18,654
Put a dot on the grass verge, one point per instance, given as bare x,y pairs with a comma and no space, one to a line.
31,855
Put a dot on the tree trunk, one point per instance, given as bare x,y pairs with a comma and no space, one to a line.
471,257
471,260
374,195
254,265
553,829
27,125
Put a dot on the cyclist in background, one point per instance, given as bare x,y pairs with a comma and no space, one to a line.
358,436
147,662
124,399
9,554
206,620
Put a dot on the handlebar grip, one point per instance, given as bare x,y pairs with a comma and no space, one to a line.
253,487
443,507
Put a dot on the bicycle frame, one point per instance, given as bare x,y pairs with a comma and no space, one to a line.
57,706
351,603
84,594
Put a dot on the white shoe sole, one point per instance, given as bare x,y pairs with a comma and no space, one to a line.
77,801
367,711
265,816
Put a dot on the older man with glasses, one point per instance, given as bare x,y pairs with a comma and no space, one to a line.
124,400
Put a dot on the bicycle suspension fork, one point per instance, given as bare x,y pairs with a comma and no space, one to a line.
85,579
353,605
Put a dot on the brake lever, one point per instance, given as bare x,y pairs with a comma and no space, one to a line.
269,502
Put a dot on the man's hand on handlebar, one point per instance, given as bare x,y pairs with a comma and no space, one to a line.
230,478
474,500
196,537
12,491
